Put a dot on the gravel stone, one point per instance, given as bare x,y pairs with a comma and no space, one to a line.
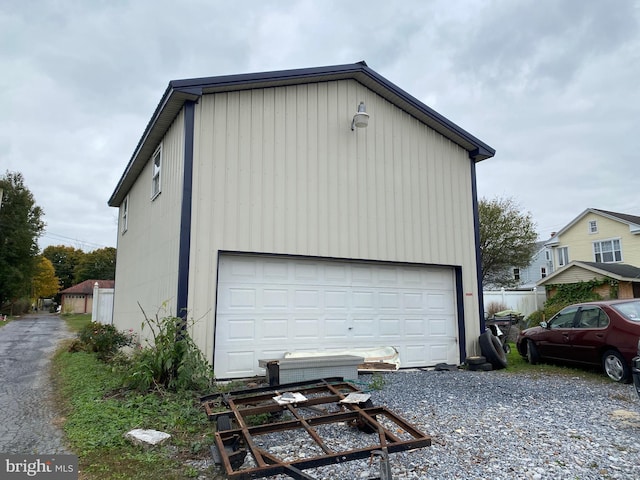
499,425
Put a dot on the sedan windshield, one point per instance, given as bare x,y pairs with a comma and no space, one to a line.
629,310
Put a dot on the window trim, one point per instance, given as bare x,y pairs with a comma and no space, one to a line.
543,272
592,227
156,173
612,251
563,260
125,215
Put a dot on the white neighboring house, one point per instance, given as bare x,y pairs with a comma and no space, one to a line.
311,209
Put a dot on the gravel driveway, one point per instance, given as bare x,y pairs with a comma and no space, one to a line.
498,425
27,420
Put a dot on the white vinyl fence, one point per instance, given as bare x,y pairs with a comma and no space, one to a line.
524,301
102,309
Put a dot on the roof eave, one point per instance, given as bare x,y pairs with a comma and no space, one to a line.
180,91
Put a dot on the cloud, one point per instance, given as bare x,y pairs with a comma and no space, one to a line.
551,84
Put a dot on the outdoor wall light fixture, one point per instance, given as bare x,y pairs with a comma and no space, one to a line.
361,118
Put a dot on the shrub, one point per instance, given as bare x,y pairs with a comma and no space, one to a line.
495,307
103,340
171,361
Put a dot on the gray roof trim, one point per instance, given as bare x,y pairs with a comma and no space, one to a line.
180,91
618,271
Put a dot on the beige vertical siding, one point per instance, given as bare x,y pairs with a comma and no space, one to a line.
279,170
148,252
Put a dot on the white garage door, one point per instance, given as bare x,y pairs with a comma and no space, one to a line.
267,306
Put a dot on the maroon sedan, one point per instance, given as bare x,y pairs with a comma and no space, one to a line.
596,333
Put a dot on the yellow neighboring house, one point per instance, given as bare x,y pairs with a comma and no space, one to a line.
598,245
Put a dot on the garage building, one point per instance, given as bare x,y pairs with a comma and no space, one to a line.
313,209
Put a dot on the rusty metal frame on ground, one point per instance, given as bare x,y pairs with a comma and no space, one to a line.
234,443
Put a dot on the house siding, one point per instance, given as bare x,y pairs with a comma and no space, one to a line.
580,241
147,267
278,170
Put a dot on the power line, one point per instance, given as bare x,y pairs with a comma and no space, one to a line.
75,241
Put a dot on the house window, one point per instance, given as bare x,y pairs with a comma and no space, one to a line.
593,226
563,256
157,170
516,274
547,255
543,272
607,251
125,213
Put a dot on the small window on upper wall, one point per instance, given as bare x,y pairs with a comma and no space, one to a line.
516,274
157,173
593,226
563,256
543,272
125,214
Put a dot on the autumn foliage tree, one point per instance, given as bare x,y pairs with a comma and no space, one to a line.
65,259
99,264
507,240
44,284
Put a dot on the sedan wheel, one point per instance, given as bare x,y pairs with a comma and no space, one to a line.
614,366
533,357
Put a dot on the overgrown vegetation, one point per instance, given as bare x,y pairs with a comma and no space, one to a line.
494,307
569,293
171,360
101,405
99,412
103,340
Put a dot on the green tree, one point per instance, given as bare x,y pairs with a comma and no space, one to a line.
507,240
65,260
20,226
97,265
44,283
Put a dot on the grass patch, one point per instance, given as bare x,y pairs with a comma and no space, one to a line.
77,321
518,364
99,413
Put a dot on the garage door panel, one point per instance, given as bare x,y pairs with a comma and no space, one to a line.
306,329
271,305
275,329
240,330
275,298
390,328
363,300
415,327
439,327
336,329
389,301
306,299
336,300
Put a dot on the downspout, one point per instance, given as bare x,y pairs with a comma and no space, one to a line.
185,212
476,228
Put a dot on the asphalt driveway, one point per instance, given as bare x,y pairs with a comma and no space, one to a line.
27,420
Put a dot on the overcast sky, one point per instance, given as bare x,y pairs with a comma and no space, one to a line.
552,85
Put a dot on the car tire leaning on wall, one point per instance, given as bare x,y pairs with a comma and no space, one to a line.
491,348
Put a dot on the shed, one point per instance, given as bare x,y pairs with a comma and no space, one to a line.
260,206
79,298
